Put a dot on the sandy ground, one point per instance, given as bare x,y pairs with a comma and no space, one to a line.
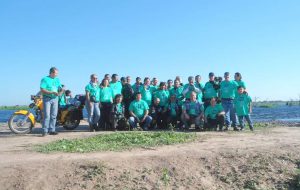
265,159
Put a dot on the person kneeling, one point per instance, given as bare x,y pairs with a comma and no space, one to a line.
138,110
118,120
173,112
192,112
214,116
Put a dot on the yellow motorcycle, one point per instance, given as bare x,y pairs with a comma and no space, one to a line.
22,121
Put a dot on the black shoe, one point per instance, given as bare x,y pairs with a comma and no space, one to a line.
53,133
44,134
235,129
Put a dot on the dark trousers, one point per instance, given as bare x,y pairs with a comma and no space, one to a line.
120,123
126,106
213,124
105,110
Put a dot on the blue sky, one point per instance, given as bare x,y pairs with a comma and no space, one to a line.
259,38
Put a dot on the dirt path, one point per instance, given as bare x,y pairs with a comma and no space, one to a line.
264,159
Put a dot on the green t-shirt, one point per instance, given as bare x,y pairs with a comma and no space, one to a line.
172,108
139,108
137,88
193,108
163,95
199,94
50,84
209,91
94,90
228,89
147,94
119,107
154,88
178,93
62,100
190,89
106,94
116,88
212,112
242,104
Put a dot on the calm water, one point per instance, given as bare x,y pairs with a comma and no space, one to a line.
281,113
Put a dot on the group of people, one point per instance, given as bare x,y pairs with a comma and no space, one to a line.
117,105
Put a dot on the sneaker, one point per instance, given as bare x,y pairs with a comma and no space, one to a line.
242,129
53,133
235,129
251,129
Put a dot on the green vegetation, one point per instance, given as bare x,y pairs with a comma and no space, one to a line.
17,107
117,141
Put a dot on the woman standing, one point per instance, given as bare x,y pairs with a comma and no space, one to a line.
106,99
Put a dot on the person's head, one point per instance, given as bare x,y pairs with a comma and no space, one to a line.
193,96
173,98
147,81
198,78
68,93
237,76
211,76
138,80
53,72
191,80
154,81
156,101
178,78
241,89
94,78
226,76
105,83
138,96
213,101
162,86
118,98
115,78
170,83
128,78
176,83
107,76
123,80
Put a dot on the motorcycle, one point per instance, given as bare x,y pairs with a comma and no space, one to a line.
22,121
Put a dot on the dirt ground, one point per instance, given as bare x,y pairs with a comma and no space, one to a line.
265,159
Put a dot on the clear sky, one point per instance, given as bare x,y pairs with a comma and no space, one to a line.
259,38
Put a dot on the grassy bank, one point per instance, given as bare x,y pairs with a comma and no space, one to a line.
117,142
14,107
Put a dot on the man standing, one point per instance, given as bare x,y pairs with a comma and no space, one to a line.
227,92
51,89
115,85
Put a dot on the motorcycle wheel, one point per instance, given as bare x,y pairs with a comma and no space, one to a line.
71,125
19,125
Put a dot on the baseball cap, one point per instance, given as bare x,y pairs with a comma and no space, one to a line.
211,74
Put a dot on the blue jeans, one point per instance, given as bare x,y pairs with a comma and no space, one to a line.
248,119
50,106
93,112
230,116
145,125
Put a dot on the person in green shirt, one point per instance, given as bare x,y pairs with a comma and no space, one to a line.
106,99
177,91
199,85
117,117
154,84
227,92
243,106
238,80
162,94
62,102
189,88
139,110
210,90
173,112
137,86
214,116
146,91
50,88
115,85
169,84
192,112
92,94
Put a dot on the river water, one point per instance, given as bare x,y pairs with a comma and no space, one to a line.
280,113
